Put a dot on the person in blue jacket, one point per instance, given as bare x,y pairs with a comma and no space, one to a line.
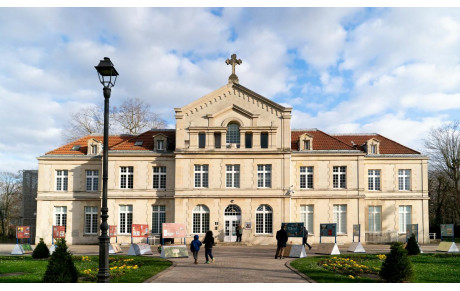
195,247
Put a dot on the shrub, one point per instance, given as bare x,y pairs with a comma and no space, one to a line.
41,251
61,268
397,266
412,246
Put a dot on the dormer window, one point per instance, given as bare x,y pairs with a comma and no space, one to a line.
305,142
306,145
139,143
372,147
160,145
94,149
75,148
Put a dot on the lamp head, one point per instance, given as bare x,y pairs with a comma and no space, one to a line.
107,73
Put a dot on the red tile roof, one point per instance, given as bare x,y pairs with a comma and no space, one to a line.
147,138
83,143
387,146
321,141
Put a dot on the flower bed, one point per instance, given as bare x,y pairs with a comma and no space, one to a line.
117,268
349,266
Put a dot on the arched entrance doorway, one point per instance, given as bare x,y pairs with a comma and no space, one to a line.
232,218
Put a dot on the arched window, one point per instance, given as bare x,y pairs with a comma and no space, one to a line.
233,134
232,210
200,219
264,219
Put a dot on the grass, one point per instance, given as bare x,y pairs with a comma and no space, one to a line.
35,269
429,268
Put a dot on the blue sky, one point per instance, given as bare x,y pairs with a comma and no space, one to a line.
394,71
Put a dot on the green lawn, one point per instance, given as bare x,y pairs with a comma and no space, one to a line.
34,269
429,268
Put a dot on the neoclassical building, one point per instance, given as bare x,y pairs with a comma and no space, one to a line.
234,159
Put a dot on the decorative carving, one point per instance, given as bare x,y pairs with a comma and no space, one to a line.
233,78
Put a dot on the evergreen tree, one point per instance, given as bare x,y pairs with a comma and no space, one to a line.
61,268
41,251
412,246
397,266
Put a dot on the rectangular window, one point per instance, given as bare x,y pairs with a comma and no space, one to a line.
404,180
126,177
217,140
373,149
264,140
340,217
159,177
306,177
248,140
202,140
375,218
404,217
94,149
306,216
91,222
62,180
92,180
201,176
60,216
373,179
306,145
232,174
264,176
339,177
158,218
126,219
160,145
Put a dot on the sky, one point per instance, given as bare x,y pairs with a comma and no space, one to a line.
392,71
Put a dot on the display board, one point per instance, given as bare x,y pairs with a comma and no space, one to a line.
22,232
447,230
139,249
411,229
178,251
58,231
294,229
112,231
357,232
174,230
328,229
140,230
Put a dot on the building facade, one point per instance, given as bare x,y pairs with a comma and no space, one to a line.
234,159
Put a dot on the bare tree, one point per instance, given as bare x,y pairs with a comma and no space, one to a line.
135,116
443,147
10,199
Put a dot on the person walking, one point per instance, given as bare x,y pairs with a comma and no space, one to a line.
281,238
239,233
208,243
305,238
195,247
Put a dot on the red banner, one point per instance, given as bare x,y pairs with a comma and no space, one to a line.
112,231
174,230
23,232
140,230
58,231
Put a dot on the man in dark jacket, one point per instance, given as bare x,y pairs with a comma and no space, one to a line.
305,238
282,238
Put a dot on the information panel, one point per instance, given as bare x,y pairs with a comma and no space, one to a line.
58,231
23,232
112,231
356,229
447,230
294,229
174,230
140,230
328,229
412,229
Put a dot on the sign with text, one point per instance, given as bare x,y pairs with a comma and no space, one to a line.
140,230
447,230
23,232
112,231
294,229
58,231
174,230
328,229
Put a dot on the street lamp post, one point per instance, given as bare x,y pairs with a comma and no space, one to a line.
107,77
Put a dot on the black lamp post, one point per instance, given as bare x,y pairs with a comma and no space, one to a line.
107,77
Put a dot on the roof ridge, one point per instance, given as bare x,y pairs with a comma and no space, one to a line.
304,129
345,134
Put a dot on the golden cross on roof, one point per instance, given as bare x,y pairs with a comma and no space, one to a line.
233,61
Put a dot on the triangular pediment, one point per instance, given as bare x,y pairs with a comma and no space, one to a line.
231,93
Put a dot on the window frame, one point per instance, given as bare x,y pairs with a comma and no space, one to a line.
233,135
60,216
264,176
93,180
91,217
158,218
128,174
375,226
340,215
263,136
127,220
159,172
306,174
374,176
62,180
404,179
264,220
201,171
403,215
307,210
339,177
202,213
201,140
232,176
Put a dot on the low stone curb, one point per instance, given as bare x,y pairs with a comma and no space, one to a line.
151,279
288,265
